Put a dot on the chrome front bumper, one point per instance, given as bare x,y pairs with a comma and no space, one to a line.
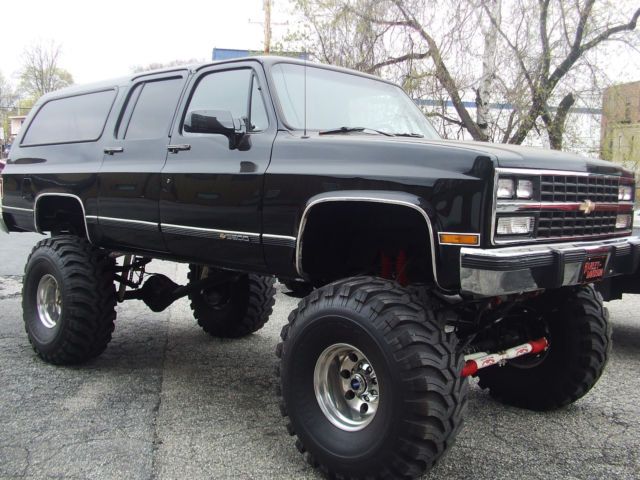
501,271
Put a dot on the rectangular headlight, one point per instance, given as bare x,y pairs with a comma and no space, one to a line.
625,193
506,188
623,221
525,189
515,225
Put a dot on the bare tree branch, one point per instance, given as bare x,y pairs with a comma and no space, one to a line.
542,55
631,25
446,118
396,60
40,73
442,73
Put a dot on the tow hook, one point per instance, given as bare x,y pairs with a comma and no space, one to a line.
476,361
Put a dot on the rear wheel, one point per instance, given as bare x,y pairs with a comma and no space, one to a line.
68,300
579,335
369,380
235,308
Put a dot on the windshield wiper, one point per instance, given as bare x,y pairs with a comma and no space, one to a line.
413,135
352,129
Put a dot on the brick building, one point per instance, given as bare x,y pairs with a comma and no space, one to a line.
620,134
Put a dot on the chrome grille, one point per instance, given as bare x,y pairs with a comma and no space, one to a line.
575,224
559,205
570,188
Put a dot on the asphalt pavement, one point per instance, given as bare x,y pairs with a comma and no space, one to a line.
167,401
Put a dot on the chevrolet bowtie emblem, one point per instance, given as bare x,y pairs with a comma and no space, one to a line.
587,207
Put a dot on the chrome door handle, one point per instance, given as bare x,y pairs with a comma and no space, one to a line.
178,148
112,150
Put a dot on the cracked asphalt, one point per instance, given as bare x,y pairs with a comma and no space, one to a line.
166,401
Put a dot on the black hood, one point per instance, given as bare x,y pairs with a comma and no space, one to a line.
517,156
503,155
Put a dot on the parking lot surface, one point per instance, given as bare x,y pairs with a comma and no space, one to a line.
167,401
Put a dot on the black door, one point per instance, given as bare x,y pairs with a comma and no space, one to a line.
128,210
212,189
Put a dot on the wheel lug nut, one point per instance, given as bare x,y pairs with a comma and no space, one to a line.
349,395
345,374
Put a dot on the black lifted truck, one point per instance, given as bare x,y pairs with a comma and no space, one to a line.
422,261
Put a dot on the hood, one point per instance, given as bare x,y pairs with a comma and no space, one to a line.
505,155
517,156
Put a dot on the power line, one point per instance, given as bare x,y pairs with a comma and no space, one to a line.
498,106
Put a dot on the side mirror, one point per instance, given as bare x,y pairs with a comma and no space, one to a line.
214,122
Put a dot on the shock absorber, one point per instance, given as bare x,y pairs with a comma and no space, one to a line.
476,361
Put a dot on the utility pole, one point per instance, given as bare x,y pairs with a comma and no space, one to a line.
267,26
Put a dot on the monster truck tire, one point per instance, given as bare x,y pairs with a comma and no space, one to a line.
234,309
68,300
350,326
579,346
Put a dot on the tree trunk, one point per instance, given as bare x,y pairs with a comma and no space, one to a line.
556,125
483,93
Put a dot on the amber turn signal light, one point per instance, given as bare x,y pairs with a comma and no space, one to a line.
459,239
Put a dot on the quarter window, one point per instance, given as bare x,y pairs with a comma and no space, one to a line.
235,91
80,118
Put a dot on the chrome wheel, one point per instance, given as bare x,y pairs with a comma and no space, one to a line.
48,301
346,387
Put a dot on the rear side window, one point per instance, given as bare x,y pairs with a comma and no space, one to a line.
155,104
72,119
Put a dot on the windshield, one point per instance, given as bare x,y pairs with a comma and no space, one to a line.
336,99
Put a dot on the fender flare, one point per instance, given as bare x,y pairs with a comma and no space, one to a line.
368,196
68,195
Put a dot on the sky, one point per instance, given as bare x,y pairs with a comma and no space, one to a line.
105,39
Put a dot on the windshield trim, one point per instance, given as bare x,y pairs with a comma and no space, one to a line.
276,98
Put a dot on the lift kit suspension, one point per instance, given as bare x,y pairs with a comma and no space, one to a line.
476,361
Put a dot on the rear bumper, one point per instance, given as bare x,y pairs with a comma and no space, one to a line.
501,271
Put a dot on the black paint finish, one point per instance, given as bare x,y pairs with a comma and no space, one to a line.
212,204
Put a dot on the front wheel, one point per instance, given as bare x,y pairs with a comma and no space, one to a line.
579,335
369,380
